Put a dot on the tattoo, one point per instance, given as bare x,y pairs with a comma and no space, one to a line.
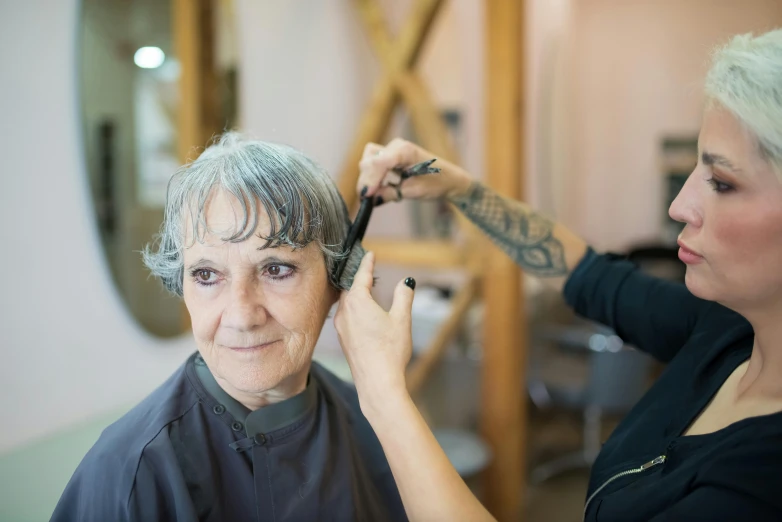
524,235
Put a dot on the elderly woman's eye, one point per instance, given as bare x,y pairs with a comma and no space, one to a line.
279,271
203,276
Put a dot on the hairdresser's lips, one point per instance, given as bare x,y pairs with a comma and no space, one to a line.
687,255
251,349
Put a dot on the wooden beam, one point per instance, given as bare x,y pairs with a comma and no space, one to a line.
420,369
426,253
211,121
377,114
427,121
199,112
503,422
185,29
185,18
425,115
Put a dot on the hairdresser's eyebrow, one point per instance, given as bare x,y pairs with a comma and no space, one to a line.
711,159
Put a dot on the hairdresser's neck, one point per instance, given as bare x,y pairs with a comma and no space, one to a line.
288,387
763,378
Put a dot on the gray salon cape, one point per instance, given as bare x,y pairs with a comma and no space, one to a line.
189,452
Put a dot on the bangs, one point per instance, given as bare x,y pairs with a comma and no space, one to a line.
294,216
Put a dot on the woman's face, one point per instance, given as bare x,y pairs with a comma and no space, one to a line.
732,209
256,313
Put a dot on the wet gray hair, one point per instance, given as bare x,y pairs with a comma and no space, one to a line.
300,198
746,78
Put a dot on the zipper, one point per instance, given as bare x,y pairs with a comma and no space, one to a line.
652,463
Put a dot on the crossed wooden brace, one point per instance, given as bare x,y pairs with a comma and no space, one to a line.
398,59
399,80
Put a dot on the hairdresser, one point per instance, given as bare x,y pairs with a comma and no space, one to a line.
705,443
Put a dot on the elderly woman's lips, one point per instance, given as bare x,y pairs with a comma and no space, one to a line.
251,348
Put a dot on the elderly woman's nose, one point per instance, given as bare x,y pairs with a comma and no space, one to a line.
245,309
686,207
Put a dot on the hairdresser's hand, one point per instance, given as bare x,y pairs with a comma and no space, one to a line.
377,344
376,173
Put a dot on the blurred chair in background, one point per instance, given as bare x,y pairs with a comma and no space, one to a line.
614,377
582,366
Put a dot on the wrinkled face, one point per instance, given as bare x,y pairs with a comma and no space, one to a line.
732,208
256,313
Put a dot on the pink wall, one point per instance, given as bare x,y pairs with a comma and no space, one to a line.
634,71
307,71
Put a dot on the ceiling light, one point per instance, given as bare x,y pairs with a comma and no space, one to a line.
149,57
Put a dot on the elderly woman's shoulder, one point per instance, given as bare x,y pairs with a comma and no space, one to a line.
132,450
122,443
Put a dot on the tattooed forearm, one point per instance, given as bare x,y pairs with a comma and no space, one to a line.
524,235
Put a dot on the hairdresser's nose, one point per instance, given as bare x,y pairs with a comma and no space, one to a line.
246,309
687,208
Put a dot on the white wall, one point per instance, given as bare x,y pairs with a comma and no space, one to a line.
68,348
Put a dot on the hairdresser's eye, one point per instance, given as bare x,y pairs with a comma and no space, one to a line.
719,186
279,271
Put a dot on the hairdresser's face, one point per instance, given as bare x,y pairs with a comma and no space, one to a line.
732,208
256,313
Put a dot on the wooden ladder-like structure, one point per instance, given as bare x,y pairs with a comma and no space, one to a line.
492,275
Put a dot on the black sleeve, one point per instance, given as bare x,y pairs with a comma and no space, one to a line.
715,504
654,315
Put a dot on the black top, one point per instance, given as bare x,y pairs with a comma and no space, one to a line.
732,474
189,452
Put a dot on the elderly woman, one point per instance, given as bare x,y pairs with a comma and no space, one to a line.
705,443
249,428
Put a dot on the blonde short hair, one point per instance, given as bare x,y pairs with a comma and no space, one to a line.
746,78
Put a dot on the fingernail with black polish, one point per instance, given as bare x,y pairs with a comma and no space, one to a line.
378,201
364,191
410,282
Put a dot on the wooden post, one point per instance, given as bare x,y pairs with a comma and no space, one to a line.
212,120
185,17
198,111
503,405
198,116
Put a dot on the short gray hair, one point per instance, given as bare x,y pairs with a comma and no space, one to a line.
300,198
746,78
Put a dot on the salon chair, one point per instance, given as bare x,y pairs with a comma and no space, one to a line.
614,377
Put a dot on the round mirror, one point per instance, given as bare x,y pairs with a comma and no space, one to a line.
134,90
